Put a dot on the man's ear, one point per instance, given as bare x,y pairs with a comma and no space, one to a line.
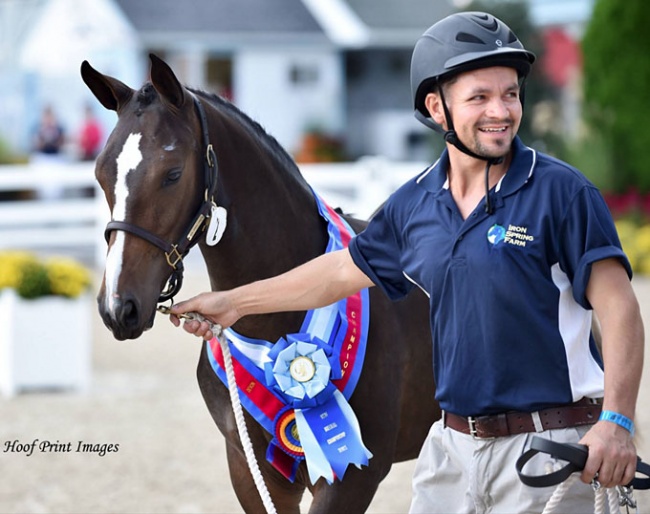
433,103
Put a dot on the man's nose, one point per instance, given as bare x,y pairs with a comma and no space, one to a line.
497,108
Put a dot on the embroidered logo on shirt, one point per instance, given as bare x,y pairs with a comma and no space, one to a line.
513,235
496,234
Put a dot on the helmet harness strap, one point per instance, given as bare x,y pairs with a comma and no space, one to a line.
451,137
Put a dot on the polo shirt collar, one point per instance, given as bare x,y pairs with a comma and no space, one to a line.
434,179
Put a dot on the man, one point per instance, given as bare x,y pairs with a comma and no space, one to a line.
514,249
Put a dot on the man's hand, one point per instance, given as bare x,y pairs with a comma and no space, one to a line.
612,455
215,307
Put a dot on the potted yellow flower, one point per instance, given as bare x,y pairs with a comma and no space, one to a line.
45,326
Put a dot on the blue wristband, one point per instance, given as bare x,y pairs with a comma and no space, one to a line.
619,419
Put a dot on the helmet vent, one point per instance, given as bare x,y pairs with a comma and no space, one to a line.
464,37
487,22
511,37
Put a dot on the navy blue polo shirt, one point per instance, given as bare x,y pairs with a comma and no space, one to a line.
510,321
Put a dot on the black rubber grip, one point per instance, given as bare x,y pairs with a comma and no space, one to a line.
576,457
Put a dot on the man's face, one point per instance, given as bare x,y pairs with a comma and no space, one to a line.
485,108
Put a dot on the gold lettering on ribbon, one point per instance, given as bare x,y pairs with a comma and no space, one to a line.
353,331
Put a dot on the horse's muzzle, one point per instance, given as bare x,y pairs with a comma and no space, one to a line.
124,317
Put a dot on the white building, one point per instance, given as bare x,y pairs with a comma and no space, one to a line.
339,66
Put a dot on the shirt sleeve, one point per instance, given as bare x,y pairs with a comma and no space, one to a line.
376,251
588,235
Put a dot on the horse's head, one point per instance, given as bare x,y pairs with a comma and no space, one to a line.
152,174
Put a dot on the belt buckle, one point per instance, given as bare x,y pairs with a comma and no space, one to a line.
473,431
471,421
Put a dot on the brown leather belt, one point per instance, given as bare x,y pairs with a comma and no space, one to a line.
583,412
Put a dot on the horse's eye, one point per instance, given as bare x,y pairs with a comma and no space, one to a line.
173,176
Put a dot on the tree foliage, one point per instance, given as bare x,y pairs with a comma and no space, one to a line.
616,50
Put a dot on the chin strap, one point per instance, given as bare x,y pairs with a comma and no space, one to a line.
488,204
452,138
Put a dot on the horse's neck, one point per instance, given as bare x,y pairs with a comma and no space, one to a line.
264,238
273,225
267,233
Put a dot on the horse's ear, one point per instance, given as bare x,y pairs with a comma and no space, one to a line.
165,82
111,93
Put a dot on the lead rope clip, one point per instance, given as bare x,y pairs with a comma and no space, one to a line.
626,498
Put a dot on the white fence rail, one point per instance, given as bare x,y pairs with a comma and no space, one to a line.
55,207
362,186
58,213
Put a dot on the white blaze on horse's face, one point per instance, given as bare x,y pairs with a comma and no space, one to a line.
128,160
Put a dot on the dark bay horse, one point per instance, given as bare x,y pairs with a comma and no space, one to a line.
158,179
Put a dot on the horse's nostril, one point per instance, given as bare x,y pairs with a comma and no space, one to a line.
126,314
129,314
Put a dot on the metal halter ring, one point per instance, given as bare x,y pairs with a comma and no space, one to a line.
177,257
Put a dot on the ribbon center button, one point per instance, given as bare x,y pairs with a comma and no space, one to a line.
302,369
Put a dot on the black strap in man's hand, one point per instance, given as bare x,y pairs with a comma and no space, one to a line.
576,457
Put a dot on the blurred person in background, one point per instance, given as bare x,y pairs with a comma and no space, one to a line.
90,136
49,136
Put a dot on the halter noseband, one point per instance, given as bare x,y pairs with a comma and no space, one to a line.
174,253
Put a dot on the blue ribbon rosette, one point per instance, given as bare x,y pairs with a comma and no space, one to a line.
301,370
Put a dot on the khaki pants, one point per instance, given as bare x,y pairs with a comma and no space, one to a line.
456,473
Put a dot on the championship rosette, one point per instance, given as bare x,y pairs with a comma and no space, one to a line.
301,370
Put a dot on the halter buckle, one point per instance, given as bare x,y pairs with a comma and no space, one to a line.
210,156
197,224
175,254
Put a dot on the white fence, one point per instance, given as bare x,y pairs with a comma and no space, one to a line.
360,187
60,214
57,208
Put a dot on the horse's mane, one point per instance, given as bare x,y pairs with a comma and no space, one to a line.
148,94
272,144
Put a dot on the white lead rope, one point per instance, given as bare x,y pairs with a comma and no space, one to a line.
613,497
254,468
558,494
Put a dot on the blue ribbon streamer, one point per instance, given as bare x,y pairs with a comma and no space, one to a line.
330,435
331,439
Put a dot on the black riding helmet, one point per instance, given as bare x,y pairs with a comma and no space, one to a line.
458,43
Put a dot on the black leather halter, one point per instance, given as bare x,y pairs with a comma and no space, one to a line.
176,252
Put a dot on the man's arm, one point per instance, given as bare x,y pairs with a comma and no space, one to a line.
611,451
319,282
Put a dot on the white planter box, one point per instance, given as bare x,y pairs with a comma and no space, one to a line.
44,343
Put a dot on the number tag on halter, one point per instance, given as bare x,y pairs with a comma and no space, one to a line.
217,225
